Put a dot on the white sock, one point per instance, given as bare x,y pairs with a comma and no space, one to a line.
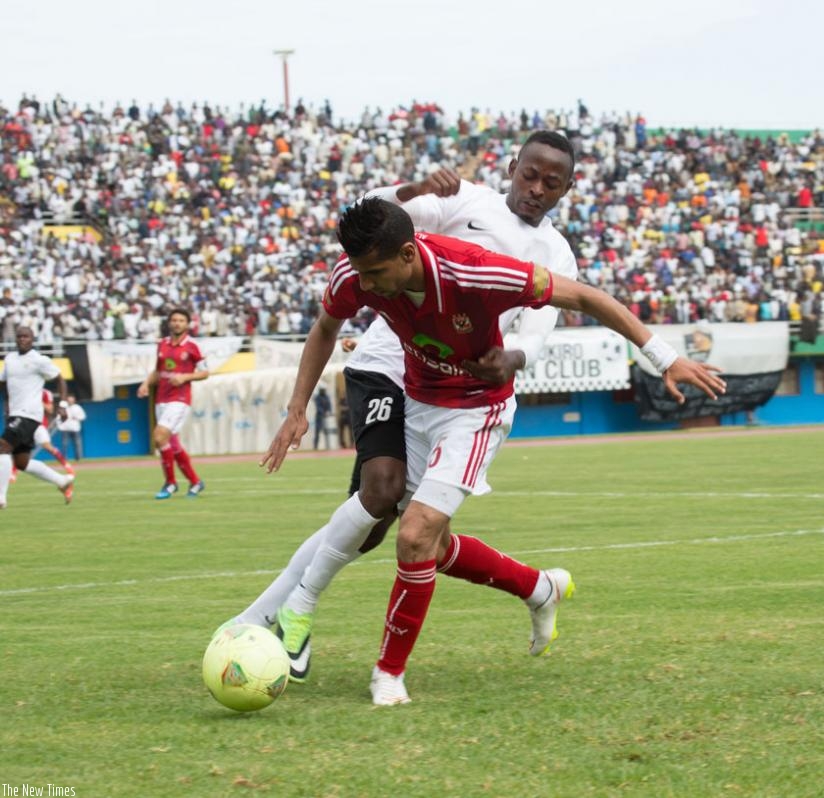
263,610
346,531
5,475
541,593
40,470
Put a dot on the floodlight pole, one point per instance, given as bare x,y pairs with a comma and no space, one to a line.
284,55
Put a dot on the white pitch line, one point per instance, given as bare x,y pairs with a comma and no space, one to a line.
547,493
643,544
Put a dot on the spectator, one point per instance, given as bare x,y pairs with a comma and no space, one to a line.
323,410
226,211
71,427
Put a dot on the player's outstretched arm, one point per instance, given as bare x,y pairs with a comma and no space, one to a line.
573,295
317,350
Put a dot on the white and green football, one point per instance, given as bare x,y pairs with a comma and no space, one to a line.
245,667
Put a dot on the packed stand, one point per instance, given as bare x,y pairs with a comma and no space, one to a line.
234,214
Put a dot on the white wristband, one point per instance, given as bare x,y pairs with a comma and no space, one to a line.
659,353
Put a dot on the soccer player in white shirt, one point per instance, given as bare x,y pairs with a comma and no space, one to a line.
21,384
442,297
515,223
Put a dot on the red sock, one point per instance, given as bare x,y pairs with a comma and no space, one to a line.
411,594
58,455
167,463
174,442
185,465
471,559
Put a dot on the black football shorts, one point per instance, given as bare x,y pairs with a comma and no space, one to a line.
376,409
19,433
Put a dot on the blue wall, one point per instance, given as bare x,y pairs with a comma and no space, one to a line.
118,427
598,412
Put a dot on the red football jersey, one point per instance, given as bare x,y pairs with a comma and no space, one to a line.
183,357
48,398
467,288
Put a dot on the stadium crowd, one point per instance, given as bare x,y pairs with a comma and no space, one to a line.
234,214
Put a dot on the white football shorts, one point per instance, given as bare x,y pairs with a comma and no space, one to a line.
172,415
448,451
41,436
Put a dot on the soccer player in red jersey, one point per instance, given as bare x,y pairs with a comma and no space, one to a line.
179,364
442,298
42,436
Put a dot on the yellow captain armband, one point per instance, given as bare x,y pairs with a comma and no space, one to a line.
540,281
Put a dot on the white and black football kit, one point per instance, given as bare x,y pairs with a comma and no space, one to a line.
25,376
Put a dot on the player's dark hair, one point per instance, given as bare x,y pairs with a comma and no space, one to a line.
180,312
374,227
555,140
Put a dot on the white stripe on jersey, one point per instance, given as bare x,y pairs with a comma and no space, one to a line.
492,270
436,273
340,274
497,277
475,284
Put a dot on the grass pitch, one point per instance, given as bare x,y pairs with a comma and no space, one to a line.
690,661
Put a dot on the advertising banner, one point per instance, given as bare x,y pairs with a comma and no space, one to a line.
577,359
752,358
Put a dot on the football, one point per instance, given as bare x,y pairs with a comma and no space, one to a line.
245,667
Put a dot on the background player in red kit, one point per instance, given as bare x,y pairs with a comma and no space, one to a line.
179,363
42,436
442,298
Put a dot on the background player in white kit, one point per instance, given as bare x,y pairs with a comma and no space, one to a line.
515,223
24,374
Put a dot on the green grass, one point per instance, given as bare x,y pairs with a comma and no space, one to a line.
690,661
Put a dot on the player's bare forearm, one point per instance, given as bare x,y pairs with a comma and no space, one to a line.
147,384
181,379
443,182
317,350
572,295
320,343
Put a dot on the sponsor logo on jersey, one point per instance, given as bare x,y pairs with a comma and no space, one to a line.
473,226
169,363
462,323
424,341
440,366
